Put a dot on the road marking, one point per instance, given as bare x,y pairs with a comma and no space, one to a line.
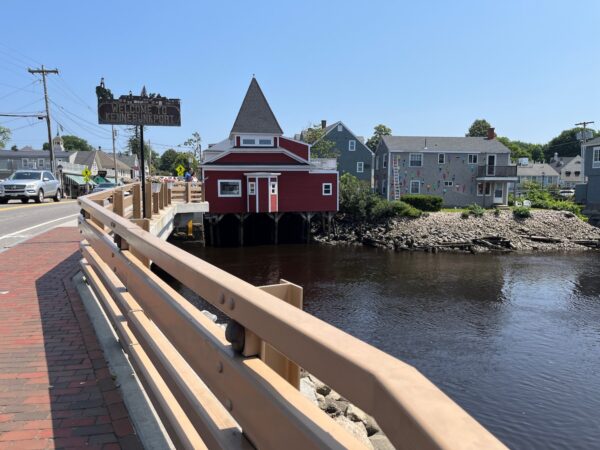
16,233
10,208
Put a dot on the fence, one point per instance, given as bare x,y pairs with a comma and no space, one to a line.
213,394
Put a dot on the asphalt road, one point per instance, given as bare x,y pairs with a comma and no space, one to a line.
19,222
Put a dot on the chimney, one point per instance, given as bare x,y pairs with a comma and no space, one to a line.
490,133
323,124
555,156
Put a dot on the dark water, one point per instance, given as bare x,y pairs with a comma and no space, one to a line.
515,340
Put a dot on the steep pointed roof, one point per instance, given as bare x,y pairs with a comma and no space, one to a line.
255,115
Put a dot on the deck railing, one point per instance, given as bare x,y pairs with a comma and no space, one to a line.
211,393
496,171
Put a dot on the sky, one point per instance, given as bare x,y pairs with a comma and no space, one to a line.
422,68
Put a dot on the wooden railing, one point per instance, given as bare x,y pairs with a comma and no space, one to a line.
190,192
211,393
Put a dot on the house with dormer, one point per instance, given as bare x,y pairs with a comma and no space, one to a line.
257,170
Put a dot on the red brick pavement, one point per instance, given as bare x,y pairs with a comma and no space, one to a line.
55,388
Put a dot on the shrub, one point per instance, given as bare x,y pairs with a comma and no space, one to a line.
384,209
465,214
476,210
542,199
424,202
521,212
496,212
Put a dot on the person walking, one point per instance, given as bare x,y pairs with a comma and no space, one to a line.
188,175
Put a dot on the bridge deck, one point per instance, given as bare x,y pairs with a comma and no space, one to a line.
55,387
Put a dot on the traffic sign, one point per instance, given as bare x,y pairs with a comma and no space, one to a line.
180,170
86,173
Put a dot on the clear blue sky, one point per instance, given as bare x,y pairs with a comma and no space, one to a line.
422,68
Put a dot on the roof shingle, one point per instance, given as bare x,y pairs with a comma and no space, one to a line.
255,115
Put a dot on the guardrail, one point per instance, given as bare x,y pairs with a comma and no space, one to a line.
496,171
211,393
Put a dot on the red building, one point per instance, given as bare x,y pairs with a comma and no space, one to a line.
258,170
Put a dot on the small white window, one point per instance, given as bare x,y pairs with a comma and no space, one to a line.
327,189
441,158
384,157
415,187
230,188
340,128
596,158
360,167
25,163
473,159
351,145
252,188
41,163
448,183
265,141
480,189
248,141
415,160
377,163
273,187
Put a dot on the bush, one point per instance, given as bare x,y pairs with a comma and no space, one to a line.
384,209
476,210
521,212
542,199
496,212
465,214
424,202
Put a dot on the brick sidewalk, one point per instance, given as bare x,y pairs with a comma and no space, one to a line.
55,388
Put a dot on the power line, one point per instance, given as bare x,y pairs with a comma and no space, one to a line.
25,57
62,108
20,89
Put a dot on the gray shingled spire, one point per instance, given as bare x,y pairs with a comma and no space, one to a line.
255,115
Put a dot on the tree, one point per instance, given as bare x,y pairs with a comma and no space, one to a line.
320,148
167,159
4,136
479,128
566,143
73,144
378,132
195,143
14,148
183,158
520,149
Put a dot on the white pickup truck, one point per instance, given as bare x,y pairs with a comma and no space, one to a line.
25,184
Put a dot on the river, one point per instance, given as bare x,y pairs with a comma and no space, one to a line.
514,339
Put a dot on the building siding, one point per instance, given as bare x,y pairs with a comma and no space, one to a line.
347,160
593,178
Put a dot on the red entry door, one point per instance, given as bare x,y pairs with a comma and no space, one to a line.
273,195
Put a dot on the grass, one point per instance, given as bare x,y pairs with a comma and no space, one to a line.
454,210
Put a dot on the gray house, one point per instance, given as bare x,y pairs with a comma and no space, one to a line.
354,156
589,193
28,158
546,175
462,170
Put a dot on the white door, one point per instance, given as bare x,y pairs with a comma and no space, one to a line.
498,193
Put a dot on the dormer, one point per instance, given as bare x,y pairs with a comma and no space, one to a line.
255,125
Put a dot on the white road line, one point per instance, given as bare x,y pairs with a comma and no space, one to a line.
16,233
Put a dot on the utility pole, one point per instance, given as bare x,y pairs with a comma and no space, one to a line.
44,72
114,135
583,141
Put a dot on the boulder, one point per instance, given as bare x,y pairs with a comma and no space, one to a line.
356,429
307,388
355,414
320,387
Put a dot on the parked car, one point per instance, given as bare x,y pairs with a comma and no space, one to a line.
103,187
566,192
30,184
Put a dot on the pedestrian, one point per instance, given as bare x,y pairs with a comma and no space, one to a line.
188,175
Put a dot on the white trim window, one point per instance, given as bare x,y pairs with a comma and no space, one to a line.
40,163
384,159
230,188
340,127
327,189
480,189
441,158
448,183
415,187
595,158
351,145
256,141
360,167
473,158
273,185
415,160
25,163
252,188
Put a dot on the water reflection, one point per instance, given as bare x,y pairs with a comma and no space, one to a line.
514,339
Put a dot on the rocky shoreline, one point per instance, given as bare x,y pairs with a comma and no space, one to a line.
545,230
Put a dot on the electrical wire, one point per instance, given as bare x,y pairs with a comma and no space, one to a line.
19,90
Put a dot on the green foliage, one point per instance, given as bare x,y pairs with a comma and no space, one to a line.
519,149
320,148
424,202
167,159
521,212
465,215
14,148
378,131
194,142
4,136
496,212
541,198
360,203
566,143
475,210
479,128
75,143
183,159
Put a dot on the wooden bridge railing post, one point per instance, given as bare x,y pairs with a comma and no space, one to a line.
148,211
188,192
137,201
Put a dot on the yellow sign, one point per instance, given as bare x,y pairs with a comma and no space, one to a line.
86,174
180,170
